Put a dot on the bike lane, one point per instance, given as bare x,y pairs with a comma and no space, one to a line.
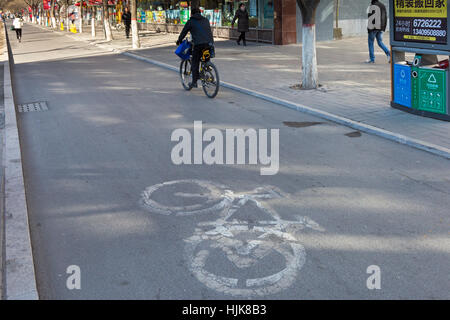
105,195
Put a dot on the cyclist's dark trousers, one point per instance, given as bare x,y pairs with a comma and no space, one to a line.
19,33
242,37
196,56
127,29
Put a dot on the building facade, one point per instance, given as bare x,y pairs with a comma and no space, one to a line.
334,19
271,21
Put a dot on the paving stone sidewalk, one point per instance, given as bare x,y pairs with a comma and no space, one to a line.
2,173
350,87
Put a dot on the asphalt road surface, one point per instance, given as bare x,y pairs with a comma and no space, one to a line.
338,204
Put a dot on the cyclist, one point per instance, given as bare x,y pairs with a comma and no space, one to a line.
202,39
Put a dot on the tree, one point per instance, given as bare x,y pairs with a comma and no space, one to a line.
310,78
134,26
64,13
81,16
13,5
52,14
33,4
106,25
94,13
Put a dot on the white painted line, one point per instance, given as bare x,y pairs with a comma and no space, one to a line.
211,197
402,139
233,240
20,273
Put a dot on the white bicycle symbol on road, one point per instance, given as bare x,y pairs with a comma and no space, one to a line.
244,242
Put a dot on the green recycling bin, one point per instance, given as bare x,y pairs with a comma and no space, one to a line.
430,90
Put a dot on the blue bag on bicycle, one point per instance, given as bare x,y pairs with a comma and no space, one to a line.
184,50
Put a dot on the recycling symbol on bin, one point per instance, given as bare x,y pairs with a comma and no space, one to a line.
432,79
403,74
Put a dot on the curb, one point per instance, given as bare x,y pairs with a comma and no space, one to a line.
20,273
389,135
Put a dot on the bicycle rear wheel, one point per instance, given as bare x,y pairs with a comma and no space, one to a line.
186,74
210,80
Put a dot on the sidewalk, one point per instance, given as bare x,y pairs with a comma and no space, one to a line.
350,88
2,173
17,275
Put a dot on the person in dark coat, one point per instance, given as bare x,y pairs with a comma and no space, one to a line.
377,22
243,23
202,38
126,18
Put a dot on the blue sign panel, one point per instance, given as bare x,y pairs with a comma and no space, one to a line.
402,85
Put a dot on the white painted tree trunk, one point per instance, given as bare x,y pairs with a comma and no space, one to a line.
310,78
81,16
93,27
67,20
108,31
135,34
53,22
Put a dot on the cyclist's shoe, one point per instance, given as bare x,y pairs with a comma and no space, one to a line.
193,85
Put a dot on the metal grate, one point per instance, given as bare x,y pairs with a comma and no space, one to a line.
32,106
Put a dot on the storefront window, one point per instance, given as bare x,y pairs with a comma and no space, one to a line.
218,12
266,14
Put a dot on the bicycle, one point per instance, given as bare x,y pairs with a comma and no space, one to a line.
119,27
209,75
245,243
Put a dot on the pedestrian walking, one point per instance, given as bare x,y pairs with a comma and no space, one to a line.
243,23
376,25
18,24
126,18
72,17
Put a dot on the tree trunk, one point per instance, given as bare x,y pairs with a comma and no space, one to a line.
134,25
94,11
310,78
52,14
106,25
66,9
81,16
67,19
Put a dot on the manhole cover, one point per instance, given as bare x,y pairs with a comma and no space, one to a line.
33,106
354,134
301,124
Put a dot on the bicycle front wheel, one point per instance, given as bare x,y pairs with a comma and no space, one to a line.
210,81
186,74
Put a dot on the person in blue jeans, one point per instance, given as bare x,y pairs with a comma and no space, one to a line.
376,25
379,36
